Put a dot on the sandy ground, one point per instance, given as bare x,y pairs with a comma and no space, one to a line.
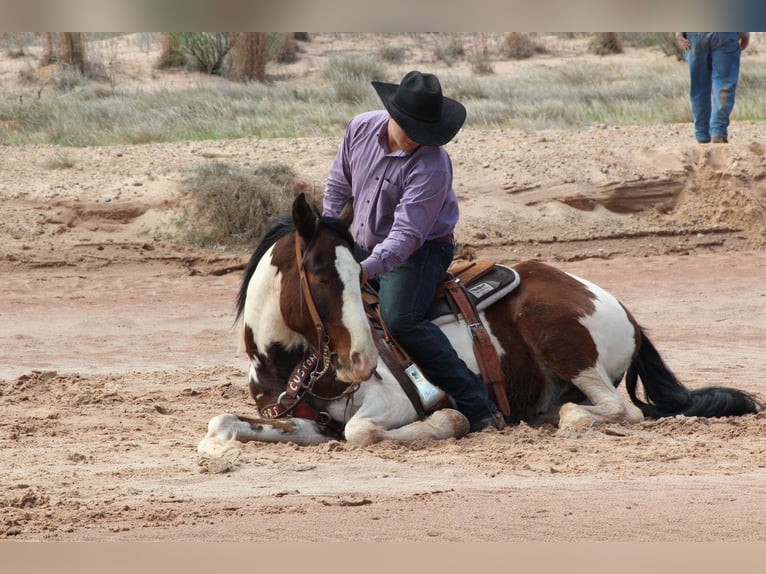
118,347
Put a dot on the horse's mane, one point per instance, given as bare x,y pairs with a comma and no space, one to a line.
284,225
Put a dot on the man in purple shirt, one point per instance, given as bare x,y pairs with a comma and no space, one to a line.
392,165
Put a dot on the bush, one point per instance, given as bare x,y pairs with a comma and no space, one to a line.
349,76
519,46
172,55
605,43
392,54
207,49
667,42
234,205
287,50
448,48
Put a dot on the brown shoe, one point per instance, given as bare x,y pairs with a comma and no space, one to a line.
719,139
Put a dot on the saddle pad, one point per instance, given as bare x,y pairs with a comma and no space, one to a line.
489,287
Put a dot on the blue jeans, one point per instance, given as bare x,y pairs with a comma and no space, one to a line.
713,71
405,294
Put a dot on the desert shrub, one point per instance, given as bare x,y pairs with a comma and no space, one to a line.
349,76
61,160
392,54
172,54
234,205
207,49
665,41
13,44
605,43
69,78
519,46
479,58
481,64
287,49
448,48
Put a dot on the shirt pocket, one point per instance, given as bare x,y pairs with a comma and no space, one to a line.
390,196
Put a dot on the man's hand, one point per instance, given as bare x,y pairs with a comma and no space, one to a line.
684,41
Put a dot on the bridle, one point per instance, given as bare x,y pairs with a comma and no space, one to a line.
316,365
323,340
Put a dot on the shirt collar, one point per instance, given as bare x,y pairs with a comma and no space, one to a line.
383,142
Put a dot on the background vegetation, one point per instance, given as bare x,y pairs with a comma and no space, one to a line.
71,92
82,104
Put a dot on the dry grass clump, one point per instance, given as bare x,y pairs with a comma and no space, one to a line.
234,205
171,53
665,41
519,46
605,43
349,76
287,50
449,48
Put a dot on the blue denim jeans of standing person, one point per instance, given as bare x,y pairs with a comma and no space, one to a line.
713,72
405,294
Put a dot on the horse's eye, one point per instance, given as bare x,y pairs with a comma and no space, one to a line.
322,277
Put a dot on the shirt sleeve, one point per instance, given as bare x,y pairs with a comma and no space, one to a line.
338,185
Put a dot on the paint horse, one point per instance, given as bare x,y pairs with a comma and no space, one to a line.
564,345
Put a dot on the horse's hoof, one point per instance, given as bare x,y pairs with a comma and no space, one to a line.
573,417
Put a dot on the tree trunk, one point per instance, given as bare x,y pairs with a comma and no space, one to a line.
248,51
71,50
49,50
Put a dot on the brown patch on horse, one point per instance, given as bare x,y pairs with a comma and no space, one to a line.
539,327
325,284
250,347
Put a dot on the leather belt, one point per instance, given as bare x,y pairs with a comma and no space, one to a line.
449,238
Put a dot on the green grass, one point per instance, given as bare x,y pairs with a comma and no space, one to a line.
538,97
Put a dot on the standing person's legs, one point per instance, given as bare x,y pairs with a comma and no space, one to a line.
700,80
405,296
725,53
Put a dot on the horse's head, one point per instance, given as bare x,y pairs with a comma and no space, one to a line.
328,296
307,289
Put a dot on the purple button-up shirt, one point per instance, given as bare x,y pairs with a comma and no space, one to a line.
401,199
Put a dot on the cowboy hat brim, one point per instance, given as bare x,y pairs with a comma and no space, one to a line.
427,133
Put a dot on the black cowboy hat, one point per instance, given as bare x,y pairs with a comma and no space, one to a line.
420,109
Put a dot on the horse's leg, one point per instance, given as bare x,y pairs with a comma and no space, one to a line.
442,424
224,429
608,404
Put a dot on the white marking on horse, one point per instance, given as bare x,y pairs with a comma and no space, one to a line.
262,309
614,336
363,353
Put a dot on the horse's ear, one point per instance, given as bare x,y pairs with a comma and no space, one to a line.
304,217
347,211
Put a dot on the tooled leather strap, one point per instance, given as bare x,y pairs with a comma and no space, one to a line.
486,354
293,396
393,355
307,296
391,358
292,402
294,390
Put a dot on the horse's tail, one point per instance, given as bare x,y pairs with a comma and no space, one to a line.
666,396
